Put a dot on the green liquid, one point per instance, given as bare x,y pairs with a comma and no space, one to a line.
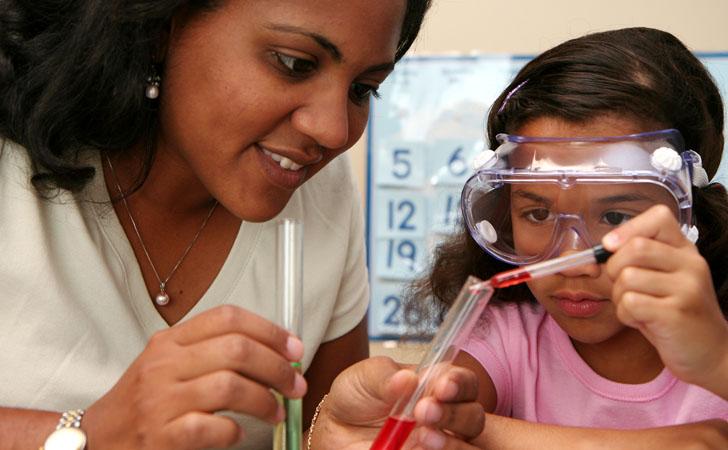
288,434
294,421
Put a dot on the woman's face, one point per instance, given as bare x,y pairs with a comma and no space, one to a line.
579,298
259,95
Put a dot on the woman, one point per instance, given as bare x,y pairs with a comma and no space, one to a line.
198,121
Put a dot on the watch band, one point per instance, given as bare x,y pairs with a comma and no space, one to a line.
68,434
71,418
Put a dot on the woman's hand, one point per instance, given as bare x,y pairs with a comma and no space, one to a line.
362,397
663,287
223,359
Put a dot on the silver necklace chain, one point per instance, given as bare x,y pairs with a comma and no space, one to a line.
162,298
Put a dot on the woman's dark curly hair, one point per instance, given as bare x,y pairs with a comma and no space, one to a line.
641,73
72,76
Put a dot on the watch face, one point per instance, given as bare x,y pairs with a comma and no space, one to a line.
66,439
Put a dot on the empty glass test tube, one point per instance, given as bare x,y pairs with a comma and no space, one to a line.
459,321
289,277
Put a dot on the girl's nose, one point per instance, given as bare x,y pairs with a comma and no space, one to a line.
574,241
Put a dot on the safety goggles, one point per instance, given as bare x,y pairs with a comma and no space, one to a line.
534,198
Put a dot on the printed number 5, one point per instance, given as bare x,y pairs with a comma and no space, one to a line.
402,166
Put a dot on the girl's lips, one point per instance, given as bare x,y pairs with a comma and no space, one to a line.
580,306
287,179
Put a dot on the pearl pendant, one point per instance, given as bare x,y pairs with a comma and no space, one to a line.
161,299
152,91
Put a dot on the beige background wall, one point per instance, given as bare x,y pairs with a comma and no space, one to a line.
532,26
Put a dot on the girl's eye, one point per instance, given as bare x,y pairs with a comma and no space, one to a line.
293,66
615,218
538,215
360,92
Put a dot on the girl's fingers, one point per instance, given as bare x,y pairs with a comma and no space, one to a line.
458,384
229,319
657,223
649,254
636,309
242,354
431,439
649,282
196,430
462,419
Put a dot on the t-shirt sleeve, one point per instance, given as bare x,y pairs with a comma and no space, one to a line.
353,296
491,344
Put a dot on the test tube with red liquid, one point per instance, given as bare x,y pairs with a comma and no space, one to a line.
458,323
460,319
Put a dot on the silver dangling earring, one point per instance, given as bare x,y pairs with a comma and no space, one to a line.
152,89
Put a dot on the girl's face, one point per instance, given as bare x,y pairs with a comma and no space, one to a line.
579,298
258,96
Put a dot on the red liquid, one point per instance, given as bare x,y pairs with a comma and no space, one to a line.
505,279
393,434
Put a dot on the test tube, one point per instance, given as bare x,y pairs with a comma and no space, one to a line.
289,277
456,327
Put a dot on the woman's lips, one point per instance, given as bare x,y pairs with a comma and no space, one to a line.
287,179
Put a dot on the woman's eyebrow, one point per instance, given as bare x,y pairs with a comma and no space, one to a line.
322,41
327,45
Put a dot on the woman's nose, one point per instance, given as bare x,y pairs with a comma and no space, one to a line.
324,117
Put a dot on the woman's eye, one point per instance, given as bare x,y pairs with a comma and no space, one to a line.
537,215
295,67
360,92
615,218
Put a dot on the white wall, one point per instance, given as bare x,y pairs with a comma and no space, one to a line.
532,26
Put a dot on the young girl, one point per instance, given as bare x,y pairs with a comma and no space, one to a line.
612,128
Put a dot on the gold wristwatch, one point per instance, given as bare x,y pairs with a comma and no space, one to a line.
68,434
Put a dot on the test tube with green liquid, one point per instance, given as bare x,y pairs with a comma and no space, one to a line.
289,276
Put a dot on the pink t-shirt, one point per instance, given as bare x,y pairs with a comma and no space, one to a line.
539,377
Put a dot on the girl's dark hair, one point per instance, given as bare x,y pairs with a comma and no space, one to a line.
72,76
644,74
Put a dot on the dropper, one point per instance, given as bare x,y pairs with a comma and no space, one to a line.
595,255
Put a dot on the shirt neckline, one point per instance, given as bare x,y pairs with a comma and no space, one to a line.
219,291
651,390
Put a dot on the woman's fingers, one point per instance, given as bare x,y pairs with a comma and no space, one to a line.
196,430
242,354
229,319
226,390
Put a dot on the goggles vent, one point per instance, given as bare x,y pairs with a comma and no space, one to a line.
665,158
487,231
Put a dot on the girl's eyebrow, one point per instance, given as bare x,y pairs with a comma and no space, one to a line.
631,197
327,45
533,197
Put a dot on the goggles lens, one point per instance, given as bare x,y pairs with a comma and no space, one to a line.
543,197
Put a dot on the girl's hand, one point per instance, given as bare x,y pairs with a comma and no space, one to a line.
663,287
362,397
223,359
